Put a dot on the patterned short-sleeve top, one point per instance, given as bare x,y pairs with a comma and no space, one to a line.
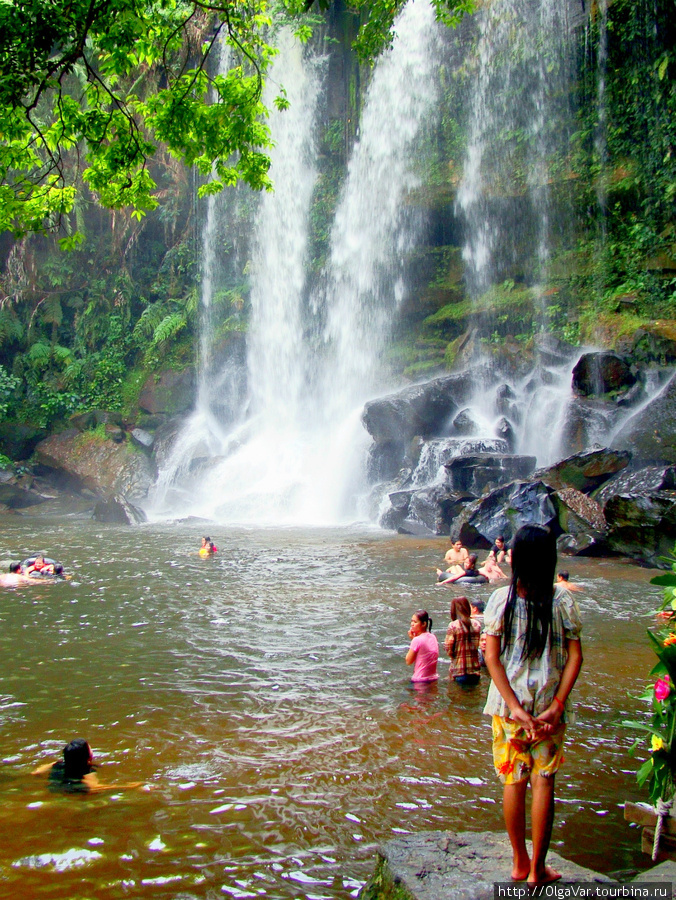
534,681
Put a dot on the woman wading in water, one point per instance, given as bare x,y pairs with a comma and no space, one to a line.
533,654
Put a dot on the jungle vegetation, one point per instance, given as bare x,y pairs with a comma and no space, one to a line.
113,122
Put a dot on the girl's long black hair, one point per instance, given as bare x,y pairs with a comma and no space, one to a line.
533,569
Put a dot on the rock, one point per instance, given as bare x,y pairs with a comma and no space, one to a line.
142,439
505,431
446,865
18,440
578,513
650,434
504,399
603,372
583,421
422,409
97,464
118,511
414,527
170,392
582,544
585,471
655,343
115,433
642,525
436,507
437,453
464,424
85,421
551,350
12,496
645,480
475,473
504,511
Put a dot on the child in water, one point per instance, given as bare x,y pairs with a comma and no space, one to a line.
533,654
208,547
423,653
77,771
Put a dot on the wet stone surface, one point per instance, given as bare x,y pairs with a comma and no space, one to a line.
446,865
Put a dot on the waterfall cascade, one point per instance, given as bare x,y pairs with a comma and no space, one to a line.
296,454
277,438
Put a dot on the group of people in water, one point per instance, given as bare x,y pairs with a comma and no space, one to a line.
31,570
528,637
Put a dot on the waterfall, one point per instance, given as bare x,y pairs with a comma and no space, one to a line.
296,455
519,126
374,230
520,120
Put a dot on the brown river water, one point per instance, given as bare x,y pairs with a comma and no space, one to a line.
263,698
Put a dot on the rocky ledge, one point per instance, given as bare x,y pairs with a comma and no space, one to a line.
446,865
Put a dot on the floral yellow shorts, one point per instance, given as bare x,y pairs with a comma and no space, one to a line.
516,755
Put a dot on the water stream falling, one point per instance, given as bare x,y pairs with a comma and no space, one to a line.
297,453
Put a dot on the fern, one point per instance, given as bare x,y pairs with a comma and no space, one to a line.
168,328
11,328
39,354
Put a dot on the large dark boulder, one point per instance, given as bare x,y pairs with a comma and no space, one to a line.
434,507
476,473
585,419
421,409
651,433
642,525
504,511
604,372
118,511
642,481
585,471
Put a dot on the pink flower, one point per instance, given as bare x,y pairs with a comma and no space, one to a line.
662,688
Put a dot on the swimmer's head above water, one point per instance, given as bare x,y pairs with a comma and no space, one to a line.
78,758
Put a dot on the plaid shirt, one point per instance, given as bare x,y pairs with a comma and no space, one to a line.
463,648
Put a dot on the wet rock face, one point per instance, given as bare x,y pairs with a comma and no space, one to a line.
596,374
578,513
422,409
475,473
504,511
170,393
99,465
118,511
645,480
585,471
642,525
651,434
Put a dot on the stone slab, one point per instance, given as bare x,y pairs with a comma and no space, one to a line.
446,865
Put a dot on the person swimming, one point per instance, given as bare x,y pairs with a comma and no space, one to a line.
208,547
77,771
15,577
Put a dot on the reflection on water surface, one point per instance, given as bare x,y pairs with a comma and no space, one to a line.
263,696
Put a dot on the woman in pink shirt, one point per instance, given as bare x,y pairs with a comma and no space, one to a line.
424,650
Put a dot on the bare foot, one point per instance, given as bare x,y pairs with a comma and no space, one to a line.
520,874
547,877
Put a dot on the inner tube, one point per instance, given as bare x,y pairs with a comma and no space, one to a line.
471,579
48,561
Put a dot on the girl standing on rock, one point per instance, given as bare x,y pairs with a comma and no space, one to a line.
533,654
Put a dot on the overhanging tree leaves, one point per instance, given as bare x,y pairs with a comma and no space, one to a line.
90,88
